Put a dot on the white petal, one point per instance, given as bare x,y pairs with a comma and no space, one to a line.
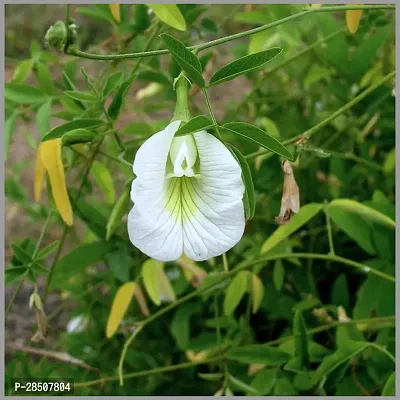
212,206
201,216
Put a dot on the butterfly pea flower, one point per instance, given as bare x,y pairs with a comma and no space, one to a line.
187,194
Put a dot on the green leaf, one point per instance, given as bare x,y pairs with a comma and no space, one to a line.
297,221
217,376
259,354
47,250
120,263
22,71
340,292
199,123
180,325
364,211
150,272
278,275
284,387
243,65
43,118
80,96
264,381
113,81
170,15
300,339
104,180
390,386
9,127
39,269
249,196
45,79
339,357
21,254
241,385
185,58
115,106
236,290
13,273
316,352
142,20
23,94
72,125
119,210
77,261
257,135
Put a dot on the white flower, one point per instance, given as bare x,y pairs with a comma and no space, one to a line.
187,197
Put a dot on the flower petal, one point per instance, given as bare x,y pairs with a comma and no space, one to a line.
212,206
152,228
200,216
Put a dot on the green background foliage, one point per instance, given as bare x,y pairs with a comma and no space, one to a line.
311,301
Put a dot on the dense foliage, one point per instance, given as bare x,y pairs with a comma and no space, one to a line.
303,308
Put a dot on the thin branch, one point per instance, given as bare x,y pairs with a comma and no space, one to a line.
83,54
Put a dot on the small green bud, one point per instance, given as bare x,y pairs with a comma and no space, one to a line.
77,136
56,36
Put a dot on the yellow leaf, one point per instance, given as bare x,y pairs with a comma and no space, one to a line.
169,14
316,5
193,273
353,18
119,307
166,289
40,173
141,301
50,152
257,292
150,272
115,11
254,368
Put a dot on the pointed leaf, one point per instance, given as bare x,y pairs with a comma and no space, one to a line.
58,131
169,14
104,180
185,58
47,250
241,385
119,307
297,221
43,118
390,386
80,96
243,65
236,290
23,94
113,81
115,106
300,339
150,272
199,123
257,292
257,135
9,127
364,211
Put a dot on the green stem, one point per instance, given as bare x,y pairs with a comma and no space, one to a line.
282,64
19,287
123,354
311,132
329,230
211,112
353,157
79,53
385,321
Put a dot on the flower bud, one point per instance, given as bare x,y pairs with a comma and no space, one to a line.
56,36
